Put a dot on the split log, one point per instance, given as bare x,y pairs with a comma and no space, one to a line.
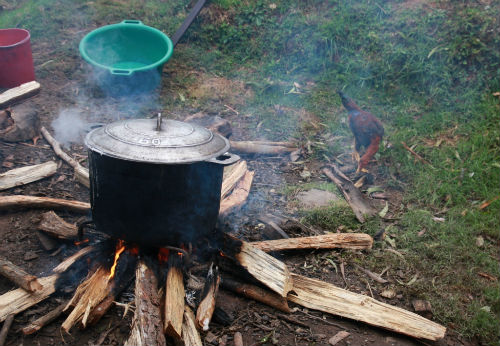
263,147
88,295
18,276
232,175
44,320
318,295
81,173
263,267
256,293
239,195
19,299
174,297
21,201
5,329
209,294
358,241
19,93
359,205
190,334
147,324
52,224
28,174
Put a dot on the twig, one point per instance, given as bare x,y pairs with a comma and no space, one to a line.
324,321
5,328
417,156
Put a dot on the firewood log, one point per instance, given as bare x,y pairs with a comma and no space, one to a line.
16,94
28,174
44,320
52,224
147,325
264,148
18,276
358,241
190,334
239,195
5,329
318,295
232,174
174,298
209,294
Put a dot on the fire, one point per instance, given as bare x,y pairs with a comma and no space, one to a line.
120,247
78,243
163,255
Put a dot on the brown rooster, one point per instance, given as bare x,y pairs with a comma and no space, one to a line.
367,130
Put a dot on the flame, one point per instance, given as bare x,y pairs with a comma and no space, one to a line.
163,255
120,247
78,243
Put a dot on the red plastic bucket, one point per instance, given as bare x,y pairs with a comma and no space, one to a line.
16,61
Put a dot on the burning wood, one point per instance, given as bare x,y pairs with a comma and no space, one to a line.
263,147
27,174
263,267
21,201
190,334
318,295
359,205
174,297
358,241
256,293
238,196
18,93
18,276
81,173
207,305
41,322
147,325
52,224
87,297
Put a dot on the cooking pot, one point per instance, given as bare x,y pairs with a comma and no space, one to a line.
156,182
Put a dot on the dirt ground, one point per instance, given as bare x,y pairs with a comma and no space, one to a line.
259,324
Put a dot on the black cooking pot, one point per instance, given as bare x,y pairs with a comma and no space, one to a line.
156,183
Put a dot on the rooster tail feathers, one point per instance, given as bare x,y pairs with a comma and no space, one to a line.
347,101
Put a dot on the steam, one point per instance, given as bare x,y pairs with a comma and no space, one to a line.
69,126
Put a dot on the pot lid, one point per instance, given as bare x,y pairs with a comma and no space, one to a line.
156,141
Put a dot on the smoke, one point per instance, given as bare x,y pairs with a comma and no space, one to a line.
69,126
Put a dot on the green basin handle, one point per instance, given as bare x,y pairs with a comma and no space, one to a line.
122,72
132,21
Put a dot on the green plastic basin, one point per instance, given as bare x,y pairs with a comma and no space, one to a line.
129,52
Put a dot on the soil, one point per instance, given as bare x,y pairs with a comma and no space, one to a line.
259,324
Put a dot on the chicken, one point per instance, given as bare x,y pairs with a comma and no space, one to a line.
367,129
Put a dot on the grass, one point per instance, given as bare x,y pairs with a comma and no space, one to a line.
427,71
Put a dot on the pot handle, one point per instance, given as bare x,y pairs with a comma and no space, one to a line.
225,159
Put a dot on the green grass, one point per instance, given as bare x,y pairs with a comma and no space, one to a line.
428,73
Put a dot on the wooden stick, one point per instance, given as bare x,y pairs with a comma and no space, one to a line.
239,195
417,156
81,173
18,276
147,325
63,266
359,205
5,329
88,295
21,201
238,339
19,299
44,320
357,241
52,224
250,147
190,334
28,174
256,293
16,94
263,267
318,295
234,174
174,297
207,305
